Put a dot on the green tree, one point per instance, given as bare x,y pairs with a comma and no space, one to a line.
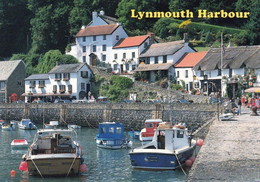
178,5
50,27
14,27
108,6
51,58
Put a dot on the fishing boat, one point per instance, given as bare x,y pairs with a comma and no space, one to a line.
26,124
73,126
147,133
169,149
19,144
7,127
1,123
54,152
134,134
111,136
51,125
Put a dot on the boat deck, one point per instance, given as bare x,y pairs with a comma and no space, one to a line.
231,151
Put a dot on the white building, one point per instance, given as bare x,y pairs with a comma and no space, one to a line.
162,57
212,74
63,81
184,69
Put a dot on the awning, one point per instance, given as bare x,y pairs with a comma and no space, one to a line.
45,94
253,90
153,67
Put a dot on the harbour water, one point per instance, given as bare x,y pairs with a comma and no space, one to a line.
102,164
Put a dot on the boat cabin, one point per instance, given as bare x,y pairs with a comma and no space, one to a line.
111,130
150,126
48,141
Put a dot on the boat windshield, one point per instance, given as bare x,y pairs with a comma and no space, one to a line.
52,132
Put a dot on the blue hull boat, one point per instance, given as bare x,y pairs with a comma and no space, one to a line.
168,150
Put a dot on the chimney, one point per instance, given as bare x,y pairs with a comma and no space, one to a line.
151,36
185,38
83,27
94,16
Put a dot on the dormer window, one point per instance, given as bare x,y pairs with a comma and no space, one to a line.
57,76
94,38
66,76
32,84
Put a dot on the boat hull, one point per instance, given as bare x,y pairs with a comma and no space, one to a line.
111,144
159,161
54,167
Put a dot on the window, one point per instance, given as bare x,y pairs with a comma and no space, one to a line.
104,47
180,134
201,73
196,84
103,130
117,37
54,88
118,130
115,56
94,48
178,74
156,60
57,76
83,39
103,57
104,37
164,59
70,88
133,54
191,85
2,85
84,74
230,73
84,59
84,48
32,84
115,66
41,83
127,66
149,125
147,61
66,76
111,130
124,55
82,86
94,38
186,73
219,72
133,67
62,88
145,45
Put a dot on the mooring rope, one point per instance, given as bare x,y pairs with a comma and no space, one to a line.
37,168
72,163
180,164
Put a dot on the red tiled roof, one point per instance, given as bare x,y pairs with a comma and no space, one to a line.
97,30
190,59
131,41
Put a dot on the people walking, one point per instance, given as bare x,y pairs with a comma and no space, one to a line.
239,105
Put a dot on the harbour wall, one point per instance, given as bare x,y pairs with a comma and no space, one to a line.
131,115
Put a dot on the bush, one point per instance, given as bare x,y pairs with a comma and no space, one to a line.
176,87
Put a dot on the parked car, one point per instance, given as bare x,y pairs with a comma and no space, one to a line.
102,99
62,101
151,101
38,101
19,102
125,101
79,101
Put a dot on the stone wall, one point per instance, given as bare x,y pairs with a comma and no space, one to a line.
132,115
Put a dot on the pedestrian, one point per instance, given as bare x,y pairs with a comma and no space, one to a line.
239,105
249,102
243,100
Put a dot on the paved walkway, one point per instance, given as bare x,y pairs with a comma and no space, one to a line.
231,151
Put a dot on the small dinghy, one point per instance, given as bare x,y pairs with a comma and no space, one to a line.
19,144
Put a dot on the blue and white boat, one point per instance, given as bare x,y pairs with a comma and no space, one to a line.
170,148
26,124
111,136
134,134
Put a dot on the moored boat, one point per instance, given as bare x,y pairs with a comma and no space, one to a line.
111,136
51,125
54,152
19,144
26,124
146,134
169,149
74,126
134,134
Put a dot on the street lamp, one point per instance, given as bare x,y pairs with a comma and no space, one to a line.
217,97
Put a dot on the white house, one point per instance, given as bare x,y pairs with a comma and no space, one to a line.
126,52
161,57
184,69
238,62
64,81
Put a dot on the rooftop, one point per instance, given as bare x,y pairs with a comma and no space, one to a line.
7,68
38,77
161,49
97,30
131,41
190,59
67,68
153,67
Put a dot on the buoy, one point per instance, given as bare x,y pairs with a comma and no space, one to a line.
188,163
192,159
200,142
23,166
13,173
83,168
